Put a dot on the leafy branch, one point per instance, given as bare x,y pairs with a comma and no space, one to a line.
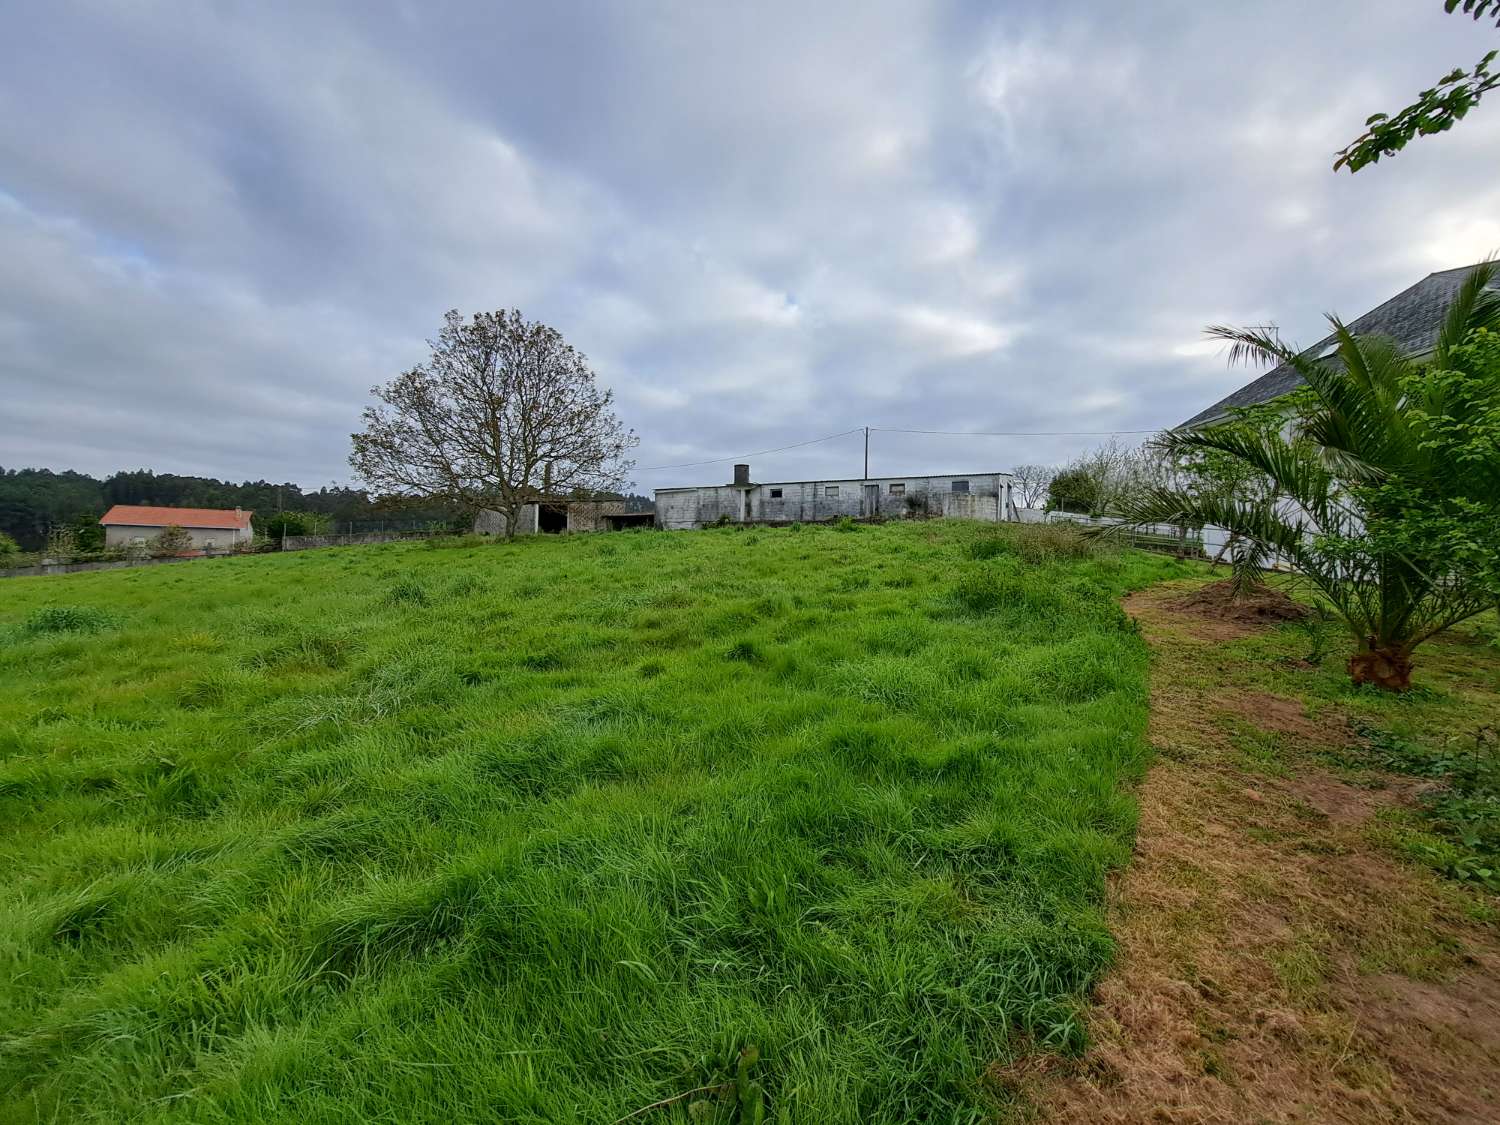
1436,110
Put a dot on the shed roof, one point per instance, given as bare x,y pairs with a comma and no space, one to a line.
1412,318
149,515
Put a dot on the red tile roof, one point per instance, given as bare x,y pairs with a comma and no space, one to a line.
146,515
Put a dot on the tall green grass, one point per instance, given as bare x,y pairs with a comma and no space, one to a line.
551,830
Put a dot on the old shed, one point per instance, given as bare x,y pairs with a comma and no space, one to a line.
978,496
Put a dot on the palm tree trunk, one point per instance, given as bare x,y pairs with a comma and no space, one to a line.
1386,666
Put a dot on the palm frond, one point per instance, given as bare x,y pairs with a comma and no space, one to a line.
1475,305
1295,475
1261,344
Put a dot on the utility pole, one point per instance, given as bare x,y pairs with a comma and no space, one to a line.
865,480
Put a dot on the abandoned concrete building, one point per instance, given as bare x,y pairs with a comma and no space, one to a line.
559,516
978,496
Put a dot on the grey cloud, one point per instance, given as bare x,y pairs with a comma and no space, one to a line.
220,224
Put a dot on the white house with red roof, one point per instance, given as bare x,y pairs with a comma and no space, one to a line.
209,528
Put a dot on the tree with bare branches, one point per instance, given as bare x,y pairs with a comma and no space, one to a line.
1031,483
503,413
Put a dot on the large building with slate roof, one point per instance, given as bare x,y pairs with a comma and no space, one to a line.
1412,318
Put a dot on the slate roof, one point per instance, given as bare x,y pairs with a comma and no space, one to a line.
1412,318
146,515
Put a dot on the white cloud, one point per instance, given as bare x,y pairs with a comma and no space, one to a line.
954,334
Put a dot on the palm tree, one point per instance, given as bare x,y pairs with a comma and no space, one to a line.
1328,506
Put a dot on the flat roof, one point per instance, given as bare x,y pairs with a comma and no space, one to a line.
831,480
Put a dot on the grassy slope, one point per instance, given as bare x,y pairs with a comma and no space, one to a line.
548,831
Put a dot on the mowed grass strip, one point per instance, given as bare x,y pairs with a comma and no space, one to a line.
550,831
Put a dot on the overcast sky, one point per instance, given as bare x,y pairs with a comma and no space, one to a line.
222,222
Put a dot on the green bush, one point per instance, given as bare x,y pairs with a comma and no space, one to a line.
281,524
171,540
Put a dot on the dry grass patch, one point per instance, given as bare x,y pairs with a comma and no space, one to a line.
1277,962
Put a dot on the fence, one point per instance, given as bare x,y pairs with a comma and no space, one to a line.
1207,542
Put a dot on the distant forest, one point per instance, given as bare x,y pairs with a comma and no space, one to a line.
33,501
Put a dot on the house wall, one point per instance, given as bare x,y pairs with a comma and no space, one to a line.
988,498
122,535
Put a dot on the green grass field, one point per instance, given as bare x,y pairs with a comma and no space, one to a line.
554,830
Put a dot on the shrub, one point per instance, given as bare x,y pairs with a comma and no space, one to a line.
9,548
172,540
68,619
845,523
282,524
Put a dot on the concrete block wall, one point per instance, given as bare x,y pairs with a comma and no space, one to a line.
588,515
987,498
583,515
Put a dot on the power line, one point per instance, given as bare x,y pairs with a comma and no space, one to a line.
896,430
761,453
1013,433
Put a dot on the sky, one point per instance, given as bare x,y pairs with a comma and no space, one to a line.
223,222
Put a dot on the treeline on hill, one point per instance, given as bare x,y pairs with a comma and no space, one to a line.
34,502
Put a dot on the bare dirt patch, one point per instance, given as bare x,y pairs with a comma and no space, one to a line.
1275,964
1254,607
1278,714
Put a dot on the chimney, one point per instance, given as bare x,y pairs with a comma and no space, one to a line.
742,474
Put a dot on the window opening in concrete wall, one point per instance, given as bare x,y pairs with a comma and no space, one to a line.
831,491
898,490
775,494
960,486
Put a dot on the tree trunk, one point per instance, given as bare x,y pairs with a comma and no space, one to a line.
511,512
1387,667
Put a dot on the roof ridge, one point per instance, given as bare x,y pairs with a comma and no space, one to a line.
1410,317
1458,269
